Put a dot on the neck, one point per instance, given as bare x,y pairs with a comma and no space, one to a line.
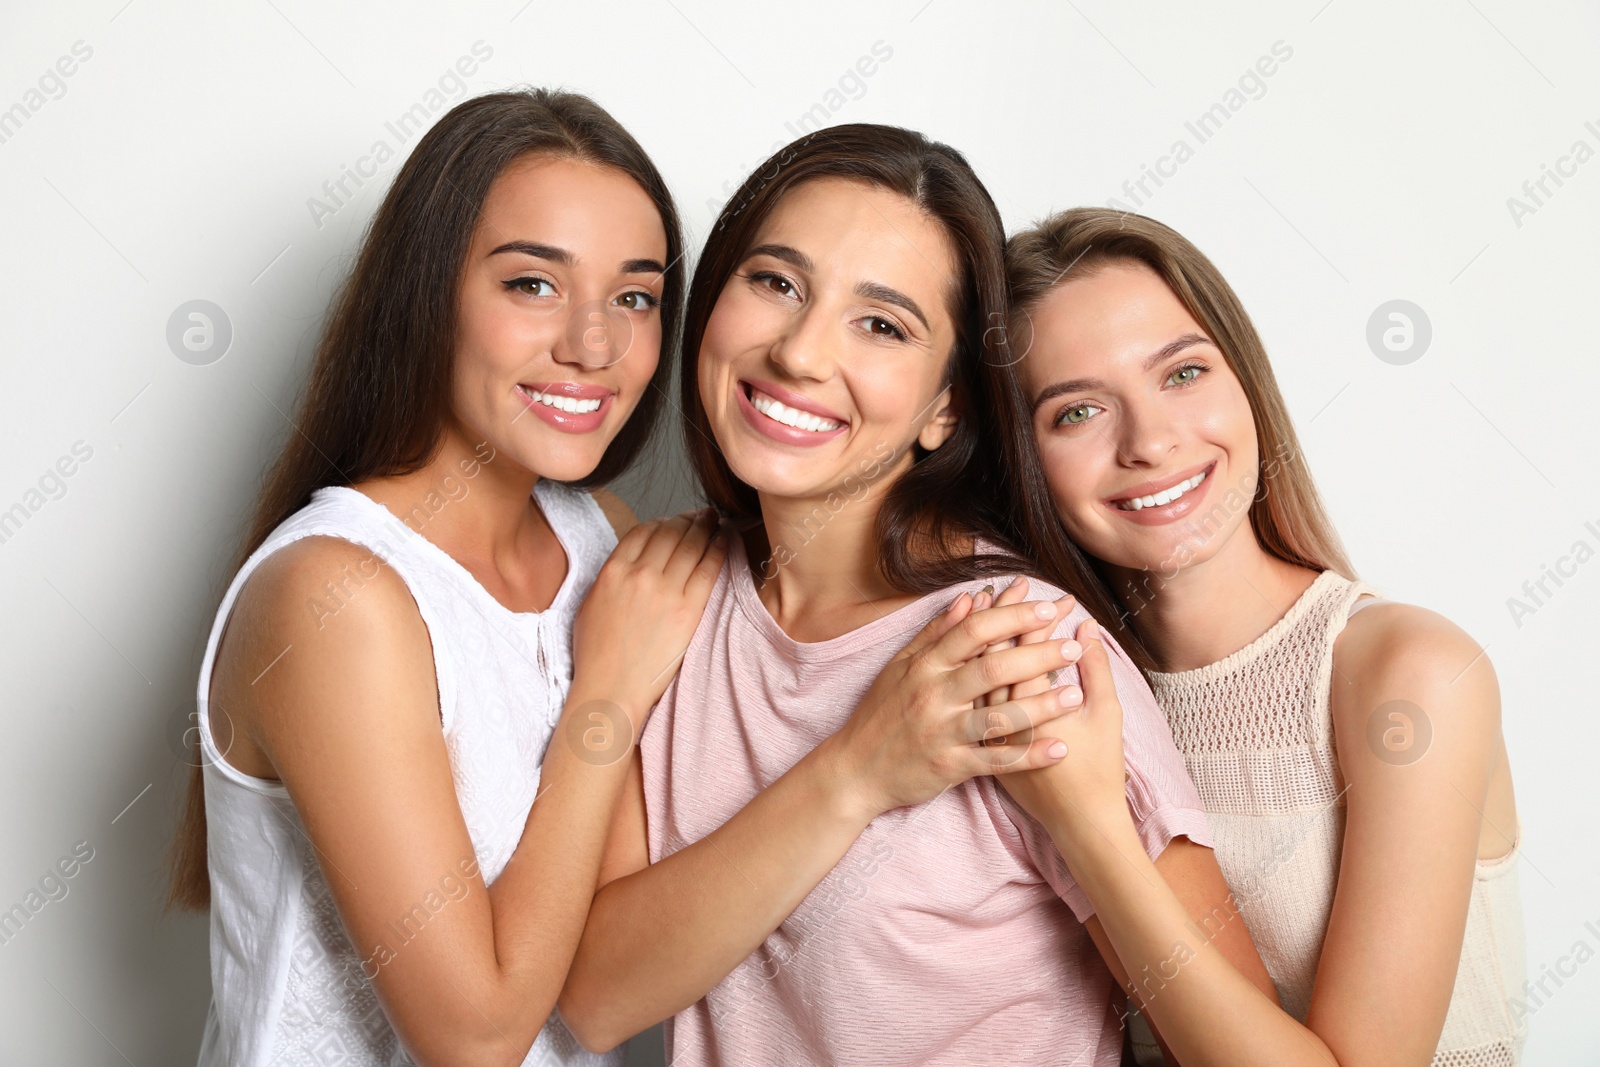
816,562
469,501
1211,609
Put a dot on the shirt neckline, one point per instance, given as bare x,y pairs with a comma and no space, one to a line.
557,603
1253,649
911,617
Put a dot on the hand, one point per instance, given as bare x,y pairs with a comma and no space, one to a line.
642,611
917,732
1090,783
1014,594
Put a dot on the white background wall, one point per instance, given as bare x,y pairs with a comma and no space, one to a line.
176,163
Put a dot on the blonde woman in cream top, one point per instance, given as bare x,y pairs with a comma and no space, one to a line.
1347,749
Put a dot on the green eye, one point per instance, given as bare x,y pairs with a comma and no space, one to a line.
1076,415
1184,375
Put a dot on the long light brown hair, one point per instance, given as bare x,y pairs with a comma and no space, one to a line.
1287,514
378,398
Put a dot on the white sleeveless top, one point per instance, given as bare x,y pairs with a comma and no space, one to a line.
287,985
1256,733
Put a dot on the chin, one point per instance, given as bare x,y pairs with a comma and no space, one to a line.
558,464
762,477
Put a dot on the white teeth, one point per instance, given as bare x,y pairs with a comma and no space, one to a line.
1163,498
571,405
778,411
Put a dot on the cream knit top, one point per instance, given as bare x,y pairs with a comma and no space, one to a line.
1256,733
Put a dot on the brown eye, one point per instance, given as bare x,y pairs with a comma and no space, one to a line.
776,282
531,286
882,327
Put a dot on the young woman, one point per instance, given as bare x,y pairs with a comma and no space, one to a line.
395,675
1347,748
815,864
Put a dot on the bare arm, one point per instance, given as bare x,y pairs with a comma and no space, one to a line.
1189,870
1405,876
348,720
661,935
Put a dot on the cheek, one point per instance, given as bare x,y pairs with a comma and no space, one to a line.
730,329
1070,479
492,338
1075,472
722,329
644,353
890,397
1229,424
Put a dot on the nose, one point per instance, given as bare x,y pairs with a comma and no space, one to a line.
1147,437
807,346
596,335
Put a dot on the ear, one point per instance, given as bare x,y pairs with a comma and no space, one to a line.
939,429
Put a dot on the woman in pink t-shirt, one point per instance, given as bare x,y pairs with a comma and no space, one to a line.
815,861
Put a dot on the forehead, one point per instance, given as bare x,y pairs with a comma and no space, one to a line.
1109,319
867,232
569,203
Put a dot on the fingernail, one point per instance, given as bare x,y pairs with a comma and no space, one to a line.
959,601
1070,696
1091,629
988,589
1057,750
1044,609
1071,650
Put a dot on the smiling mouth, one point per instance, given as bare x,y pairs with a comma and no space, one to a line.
1165,496
778,411
570,404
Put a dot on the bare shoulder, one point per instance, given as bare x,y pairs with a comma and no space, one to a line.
616,511
1400,652
318,607
304,586
1393,638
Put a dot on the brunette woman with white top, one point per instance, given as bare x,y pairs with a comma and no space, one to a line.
411,736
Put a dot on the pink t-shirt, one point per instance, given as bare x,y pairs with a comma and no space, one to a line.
950,932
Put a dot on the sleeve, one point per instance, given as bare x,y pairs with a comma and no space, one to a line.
1161,797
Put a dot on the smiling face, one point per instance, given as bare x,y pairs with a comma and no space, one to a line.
826,352
1144,431
558,328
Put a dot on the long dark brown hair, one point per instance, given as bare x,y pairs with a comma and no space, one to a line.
965,489
378,397
1286,514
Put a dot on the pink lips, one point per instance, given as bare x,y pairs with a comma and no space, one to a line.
566,421
1165,513
777,431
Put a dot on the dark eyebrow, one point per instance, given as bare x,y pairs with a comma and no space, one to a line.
877,291
792,256
1153,360
528,248
567,259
